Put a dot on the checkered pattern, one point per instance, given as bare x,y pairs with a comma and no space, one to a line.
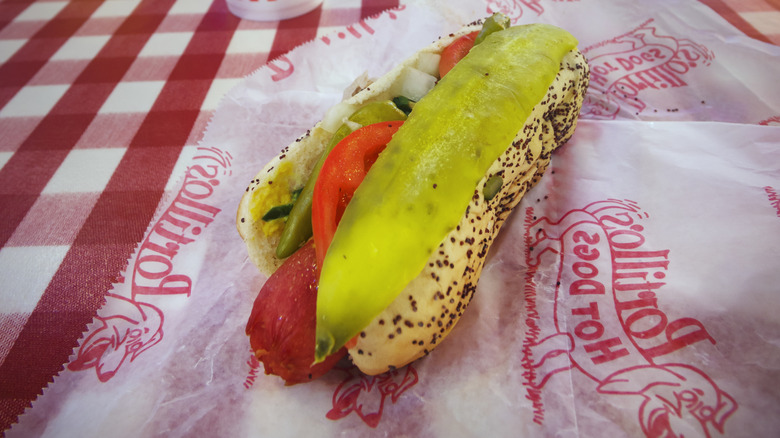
759,19
99,103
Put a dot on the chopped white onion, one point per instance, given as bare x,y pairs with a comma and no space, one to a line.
354,126
428,63
336,115
360,83
413,84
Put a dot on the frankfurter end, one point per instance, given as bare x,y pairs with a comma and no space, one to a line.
405,258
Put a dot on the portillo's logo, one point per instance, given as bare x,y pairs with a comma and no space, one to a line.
607,321
359,394
772,121
366,396
774,199
639,61
129,323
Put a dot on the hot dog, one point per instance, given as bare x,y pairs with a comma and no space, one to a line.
402,260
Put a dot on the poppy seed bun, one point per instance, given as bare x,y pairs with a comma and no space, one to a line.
428,308
425,312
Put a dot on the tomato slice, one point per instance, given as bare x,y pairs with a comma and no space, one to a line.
341,174
455,52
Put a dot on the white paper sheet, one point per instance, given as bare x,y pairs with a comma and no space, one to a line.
672,327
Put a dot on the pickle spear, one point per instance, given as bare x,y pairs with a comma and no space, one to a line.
419,187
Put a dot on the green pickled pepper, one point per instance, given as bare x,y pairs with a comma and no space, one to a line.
420,186
494,23
297,230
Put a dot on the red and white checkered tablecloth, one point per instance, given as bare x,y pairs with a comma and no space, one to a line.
100,102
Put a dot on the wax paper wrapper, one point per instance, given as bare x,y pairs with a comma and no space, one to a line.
633,292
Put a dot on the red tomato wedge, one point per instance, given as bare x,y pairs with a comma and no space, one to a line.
456,51
283,321
341,174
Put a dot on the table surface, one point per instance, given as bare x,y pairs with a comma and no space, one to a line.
98,102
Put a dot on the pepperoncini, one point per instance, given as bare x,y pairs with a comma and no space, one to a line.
494,23
419,187
297,230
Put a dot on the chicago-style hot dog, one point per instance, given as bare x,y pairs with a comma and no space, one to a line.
399,248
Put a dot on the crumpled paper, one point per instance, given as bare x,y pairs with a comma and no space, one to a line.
633,292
